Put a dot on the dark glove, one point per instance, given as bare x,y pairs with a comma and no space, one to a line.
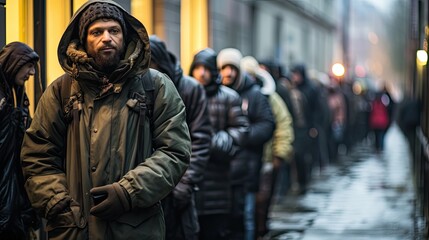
61,206
182,195
222,146
116,203
30,218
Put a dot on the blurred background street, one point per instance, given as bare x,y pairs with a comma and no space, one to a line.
367,195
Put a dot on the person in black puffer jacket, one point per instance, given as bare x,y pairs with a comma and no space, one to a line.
179,206
230,129
246,167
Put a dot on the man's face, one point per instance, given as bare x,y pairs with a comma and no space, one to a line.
229,75
296,78
105,43
24,73
202,74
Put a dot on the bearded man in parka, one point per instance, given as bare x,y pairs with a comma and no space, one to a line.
106,150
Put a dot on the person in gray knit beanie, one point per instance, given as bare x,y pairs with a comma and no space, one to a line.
98,11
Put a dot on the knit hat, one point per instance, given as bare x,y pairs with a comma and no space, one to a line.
97,11
229,56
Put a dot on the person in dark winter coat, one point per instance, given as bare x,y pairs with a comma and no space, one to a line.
230,129
17,63
305,100
102,172
180,213
277,150
247,166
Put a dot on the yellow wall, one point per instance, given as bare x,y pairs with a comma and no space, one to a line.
194,29
19,27
77,4
143,11
16,19
57,19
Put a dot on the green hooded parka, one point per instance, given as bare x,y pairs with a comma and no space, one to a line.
58,163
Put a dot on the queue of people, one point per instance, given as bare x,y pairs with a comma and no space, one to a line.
125,145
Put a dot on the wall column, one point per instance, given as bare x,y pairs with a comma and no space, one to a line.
194,30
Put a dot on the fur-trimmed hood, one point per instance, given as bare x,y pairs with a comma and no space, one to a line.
75,61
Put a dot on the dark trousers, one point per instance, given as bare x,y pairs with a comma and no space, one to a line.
264,197
180,224
214,227
379,138
236,224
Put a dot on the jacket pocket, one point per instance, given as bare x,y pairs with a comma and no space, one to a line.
137,216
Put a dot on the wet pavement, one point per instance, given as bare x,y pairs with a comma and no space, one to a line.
367,195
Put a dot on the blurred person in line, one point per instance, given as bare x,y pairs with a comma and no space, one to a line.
246,167
380,117
282,82
18,62
323,123
305,99
277,150
180,213
283,86
230,130
338,108
100,172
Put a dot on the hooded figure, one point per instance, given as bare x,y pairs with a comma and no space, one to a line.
277,150
17,62
230,129
246,166
102,175
305,99
179,207
207,57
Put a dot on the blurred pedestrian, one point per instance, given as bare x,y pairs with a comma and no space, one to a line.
17,63
338,108
230,130
247,166
100,156
180,212
305,100
283,86
277,150
380,117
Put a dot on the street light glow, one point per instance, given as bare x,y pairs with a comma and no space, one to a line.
338,69
422,57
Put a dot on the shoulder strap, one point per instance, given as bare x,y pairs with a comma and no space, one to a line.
71,108
70,103
145,106
149,88
65,89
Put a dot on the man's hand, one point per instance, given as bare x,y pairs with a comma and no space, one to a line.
61,206
277,163
117,201
182,195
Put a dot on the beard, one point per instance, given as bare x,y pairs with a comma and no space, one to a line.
108,63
